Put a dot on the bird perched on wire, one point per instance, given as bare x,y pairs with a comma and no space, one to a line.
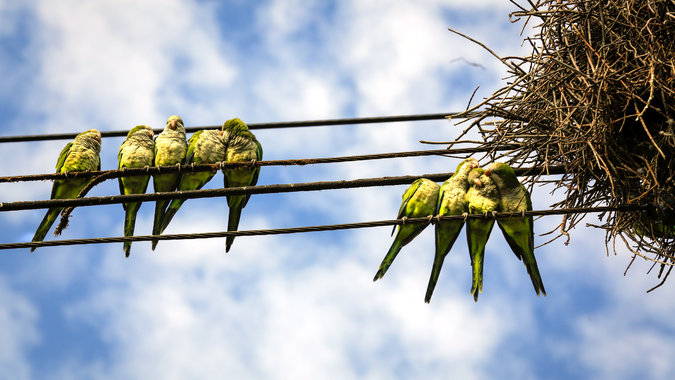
482,198
419,200
242,146
518,231
170,149
205,147
451,201
81,154
137,151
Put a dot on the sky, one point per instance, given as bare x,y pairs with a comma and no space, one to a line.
289,306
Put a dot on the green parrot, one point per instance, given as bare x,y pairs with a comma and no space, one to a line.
204,147
451,201
81,154
137,151
419,200
518,231
170,149
482,198
242,146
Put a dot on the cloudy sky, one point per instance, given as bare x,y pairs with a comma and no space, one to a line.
288,306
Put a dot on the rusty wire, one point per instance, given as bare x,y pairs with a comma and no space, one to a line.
330,227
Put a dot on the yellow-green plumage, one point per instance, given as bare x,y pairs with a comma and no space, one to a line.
451,201
82,154
137,151
170,150
482,197
518,231
242,146
419,200
204,147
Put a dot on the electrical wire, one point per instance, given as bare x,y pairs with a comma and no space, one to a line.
262,189
212,167
271,125
329,227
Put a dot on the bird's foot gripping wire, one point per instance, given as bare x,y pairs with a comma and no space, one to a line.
466,216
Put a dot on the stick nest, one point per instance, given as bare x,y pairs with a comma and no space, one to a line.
596,96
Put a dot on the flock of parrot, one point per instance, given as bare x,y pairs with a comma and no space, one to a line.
234,143
470,190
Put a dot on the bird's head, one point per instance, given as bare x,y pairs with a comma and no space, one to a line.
174,122
141,130
234,126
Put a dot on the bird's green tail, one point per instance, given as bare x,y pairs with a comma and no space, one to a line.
388,258
477,276
129,223
232,224
160,209
170,212
442,249
477,234
435,272
46,224
533,271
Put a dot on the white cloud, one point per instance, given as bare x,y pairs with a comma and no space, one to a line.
17,318
292,306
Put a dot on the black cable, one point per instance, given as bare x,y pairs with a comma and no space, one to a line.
211,167
271,125
263,189
330,227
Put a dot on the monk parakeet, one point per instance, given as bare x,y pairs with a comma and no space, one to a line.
242,146
482,197
451,201
419,200
137,151
204,147
82,154
518,231
170,149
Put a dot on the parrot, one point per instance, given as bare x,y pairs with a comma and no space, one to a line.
204,147
242,146
451,201
137,151
482,198
419,200
518,231
81,154
170,149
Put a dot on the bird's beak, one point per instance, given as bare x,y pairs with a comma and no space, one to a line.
487,172
172,124
478,182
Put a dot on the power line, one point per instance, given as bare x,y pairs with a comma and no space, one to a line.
271,125
329,227
212,167
263,189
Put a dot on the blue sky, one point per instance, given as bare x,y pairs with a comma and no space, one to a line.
288,306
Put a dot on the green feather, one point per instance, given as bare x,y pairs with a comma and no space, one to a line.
451,201
419,200
242,146
518,231
82,154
